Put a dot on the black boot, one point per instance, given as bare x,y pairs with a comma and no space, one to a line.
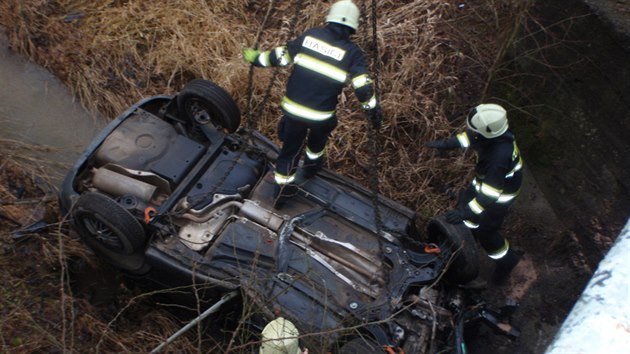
311,167
282,193
504,266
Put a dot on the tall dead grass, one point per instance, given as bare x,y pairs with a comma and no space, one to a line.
434,60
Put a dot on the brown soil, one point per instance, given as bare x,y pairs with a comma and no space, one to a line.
568,86
572,84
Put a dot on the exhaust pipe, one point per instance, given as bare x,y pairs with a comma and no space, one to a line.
117,184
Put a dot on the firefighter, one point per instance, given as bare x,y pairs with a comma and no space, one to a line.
324,59
484,204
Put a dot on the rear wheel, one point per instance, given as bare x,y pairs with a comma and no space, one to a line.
110,231
464,266
202,102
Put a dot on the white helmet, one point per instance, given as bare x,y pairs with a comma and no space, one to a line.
344,12
489,120
280,337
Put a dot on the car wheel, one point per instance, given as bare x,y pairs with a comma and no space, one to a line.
111,232
202,102
464,266
104,223
362,346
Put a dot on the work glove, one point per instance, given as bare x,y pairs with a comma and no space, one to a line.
376,116
440,145
250,54
456,216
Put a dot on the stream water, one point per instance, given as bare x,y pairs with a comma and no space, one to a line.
36,109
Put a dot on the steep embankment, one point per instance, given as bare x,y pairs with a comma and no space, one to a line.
568,81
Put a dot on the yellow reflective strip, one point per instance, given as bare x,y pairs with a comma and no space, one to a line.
470,224
501,252
371,103
475,206
321,67
263,58
303,111
282,179
504,198
518,167
361,81
314,155
490,191
515,151
463,139
476,185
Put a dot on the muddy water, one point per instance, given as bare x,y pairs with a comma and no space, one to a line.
37,109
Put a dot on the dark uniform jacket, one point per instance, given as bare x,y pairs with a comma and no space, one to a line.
324,60
498,172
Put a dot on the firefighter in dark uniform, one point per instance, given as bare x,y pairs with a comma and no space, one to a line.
498,177
324,60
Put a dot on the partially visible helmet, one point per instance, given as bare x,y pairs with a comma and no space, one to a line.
280,337
489,120
344,12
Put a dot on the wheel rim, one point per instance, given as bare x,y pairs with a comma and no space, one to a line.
199,112
102,232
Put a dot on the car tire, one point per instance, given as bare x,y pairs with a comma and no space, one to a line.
464,266
103,222
94,213
362,346
203,102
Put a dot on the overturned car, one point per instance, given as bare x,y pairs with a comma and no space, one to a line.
174,193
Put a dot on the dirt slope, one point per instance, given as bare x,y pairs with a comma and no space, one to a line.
570,85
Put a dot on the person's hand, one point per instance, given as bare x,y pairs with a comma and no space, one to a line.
456,216
376,117
250,54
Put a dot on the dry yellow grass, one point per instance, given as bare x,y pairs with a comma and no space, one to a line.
434,60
